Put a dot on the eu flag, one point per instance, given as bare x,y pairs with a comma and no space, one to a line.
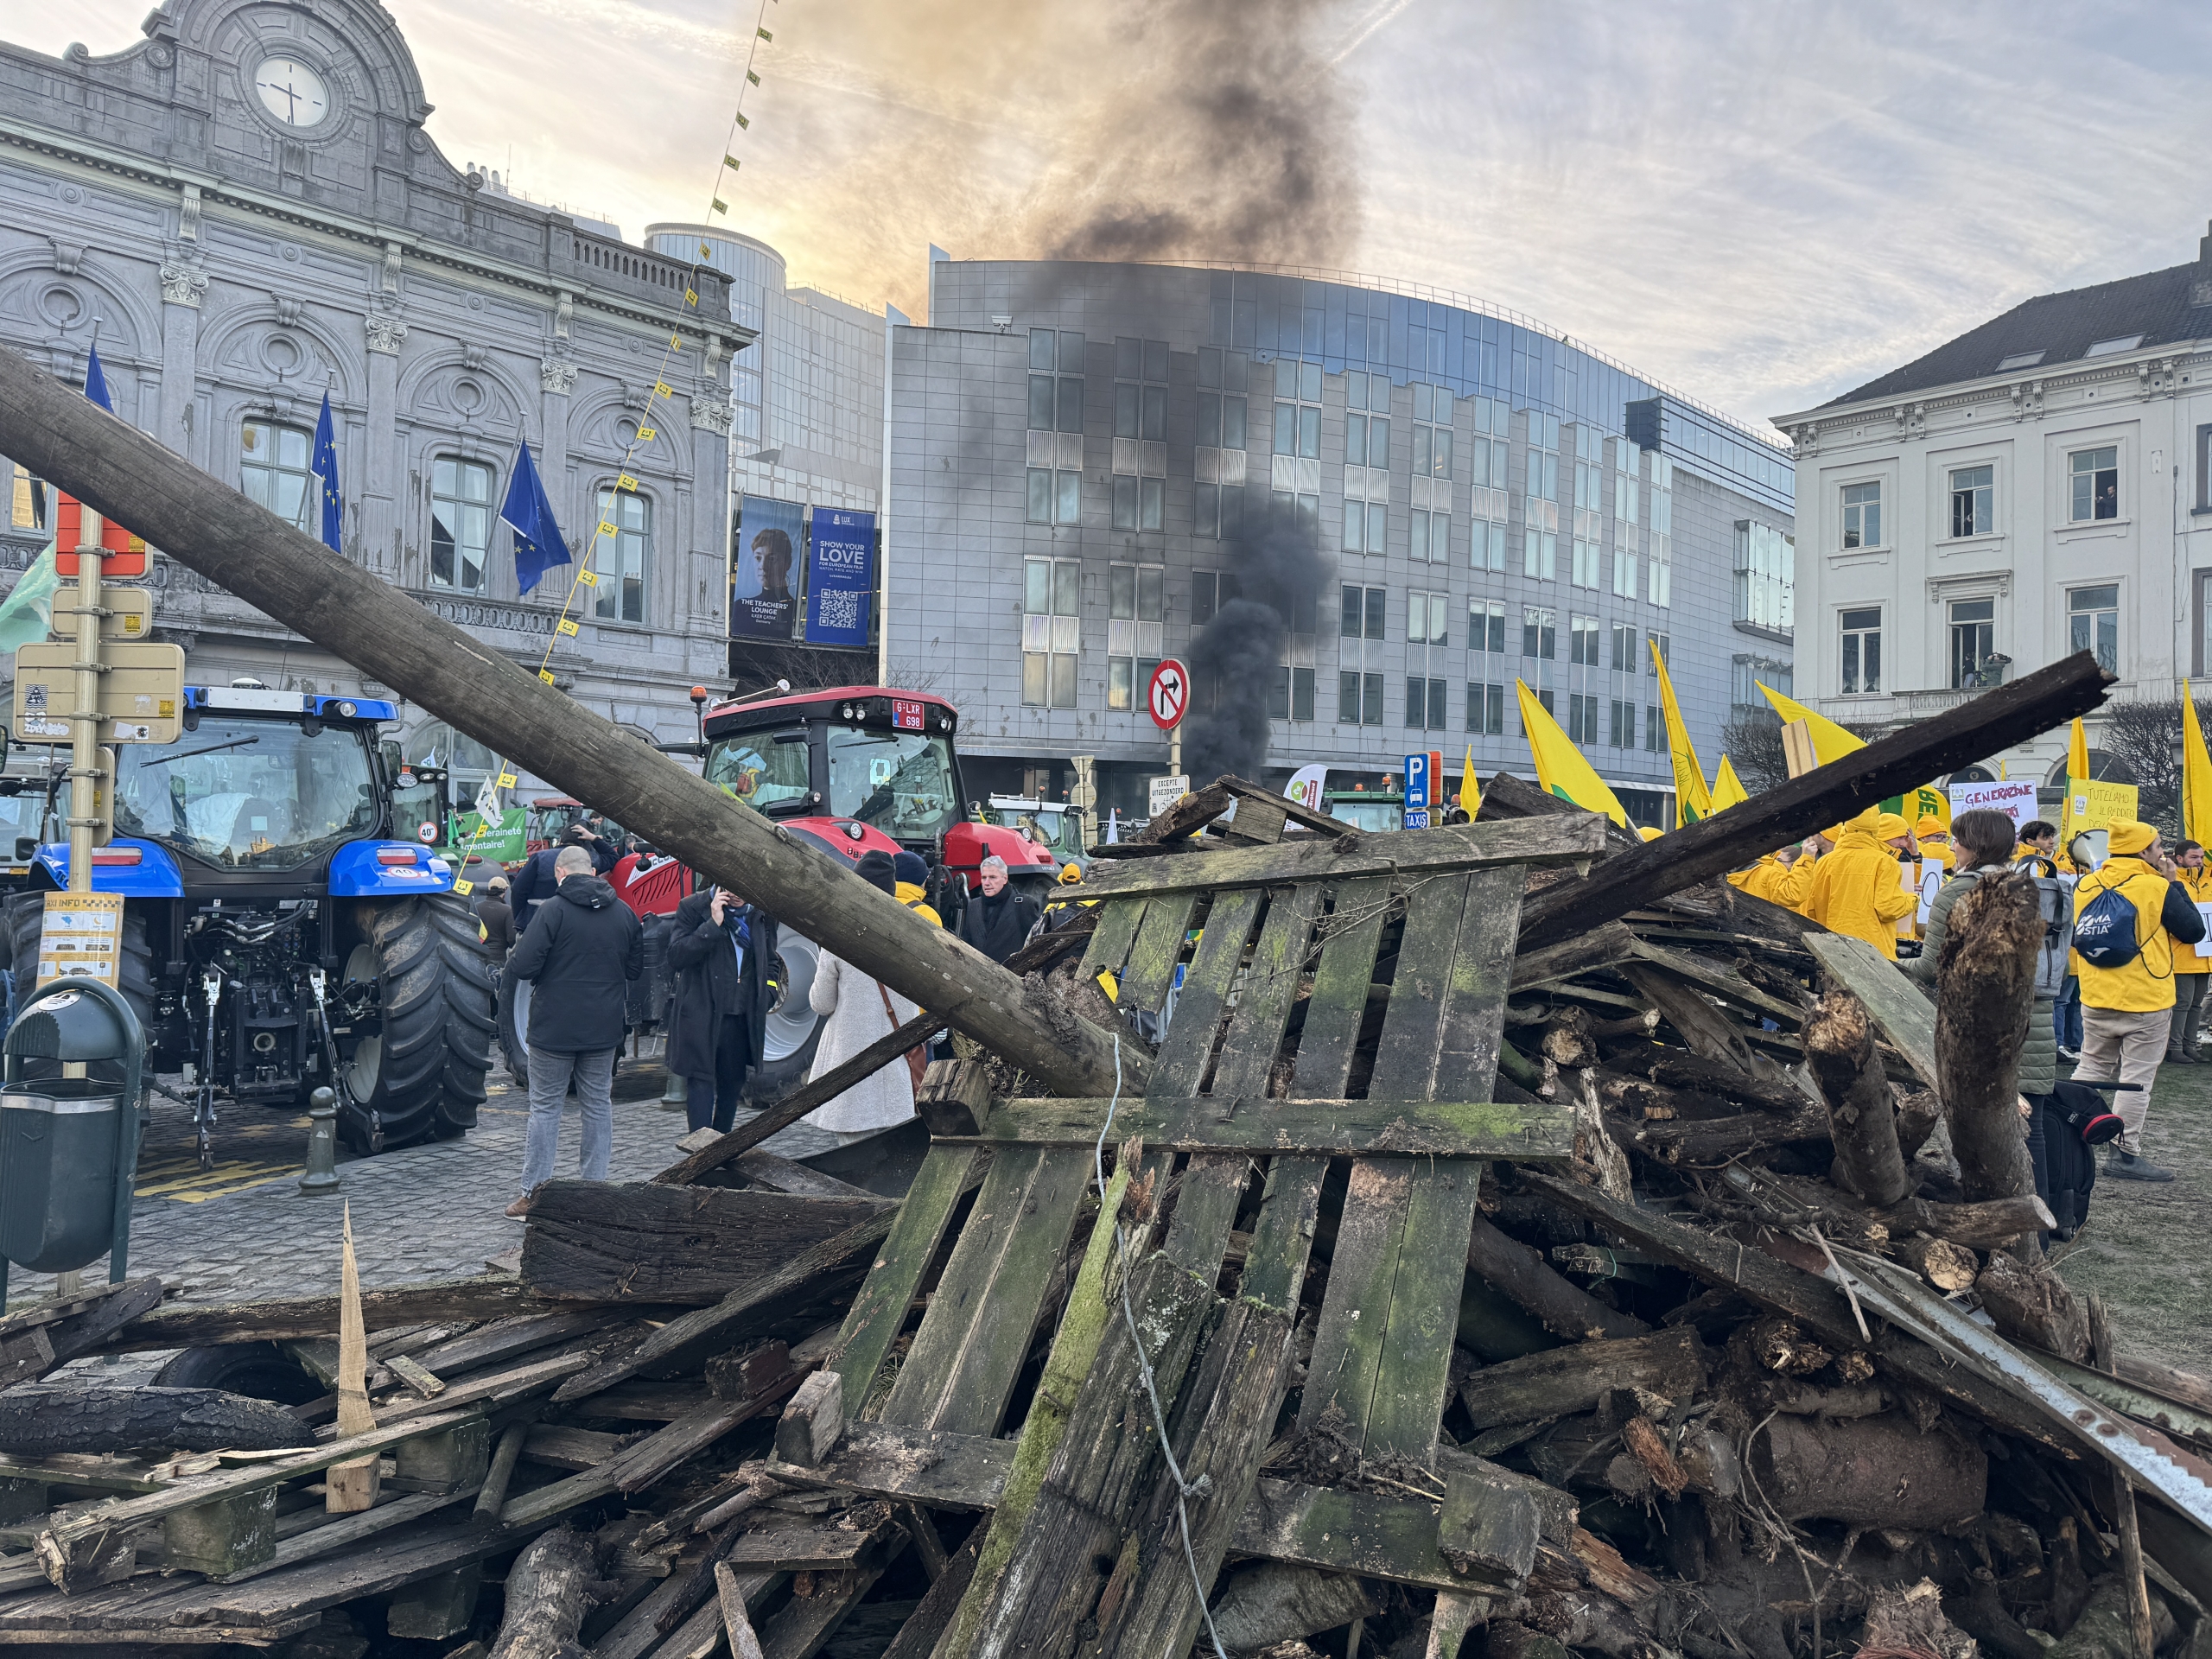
325,467
538,546
96,382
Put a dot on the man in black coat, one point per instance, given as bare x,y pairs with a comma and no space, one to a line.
534,882
998,918
722,952
578,956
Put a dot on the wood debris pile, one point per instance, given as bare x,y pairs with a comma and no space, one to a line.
1501,1238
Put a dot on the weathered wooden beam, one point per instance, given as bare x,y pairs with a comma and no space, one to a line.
1561,1380
378,627
1404,853
1504,1261
605,1241
1774,817
1983,1004
1315,1128
1862,1122
281,1318
1602,947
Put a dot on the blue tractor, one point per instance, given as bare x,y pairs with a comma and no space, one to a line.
287,920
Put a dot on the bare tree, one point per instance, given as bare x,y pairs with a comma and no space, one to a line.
756,665
1752,742
2145,738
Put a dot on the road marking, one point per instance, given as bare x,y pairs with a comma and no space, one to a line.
183,1179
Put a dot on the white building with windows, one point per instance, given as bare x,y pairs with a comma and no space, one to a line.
245,210
2039,486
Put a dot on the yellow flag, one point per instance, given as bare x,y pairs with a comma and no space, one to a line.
1693,800
2077,748
1560,769
2195,773
1727,788
1471,795
1830,741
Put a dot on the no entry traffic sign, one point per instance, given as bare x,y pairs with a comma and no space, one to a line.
1169,694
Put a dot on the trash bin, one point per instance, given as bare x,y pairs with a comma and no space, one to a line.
69,1130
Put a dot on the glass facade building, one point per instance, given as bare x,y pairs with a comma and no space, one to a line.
1077,451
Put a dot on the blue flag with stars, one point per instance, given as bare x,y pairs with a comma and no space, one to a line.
325,467
527,511
96,382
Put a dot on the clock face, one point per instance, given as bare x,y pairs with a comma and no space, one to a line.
291,91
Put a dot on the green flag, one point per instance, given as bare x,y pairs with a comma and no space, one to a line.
27,612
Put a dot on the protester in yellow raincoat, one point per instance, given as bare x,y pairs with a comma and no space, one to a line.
1855,889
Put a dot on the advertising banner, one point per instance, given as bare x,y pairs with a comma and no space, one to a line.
770,536
2017,801
840,577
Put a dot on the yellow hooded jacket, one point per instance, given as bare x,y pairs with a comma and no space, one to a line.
2145,983
909,894
1855,889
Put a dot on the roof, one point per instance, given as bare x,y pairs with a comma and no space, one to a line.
2156,309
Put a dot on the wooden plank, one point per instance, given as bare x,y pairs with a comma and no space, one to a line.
1772,818
1706,1031
1199,1007
1371,1535
1257,1127
605,1241
1722,977
198,1324
1602,947
1339,1002
810,1549
1279,960
1901,1011
1305,816
937,1470
1397,853
1116,929
1150,970
880,1309
960,1369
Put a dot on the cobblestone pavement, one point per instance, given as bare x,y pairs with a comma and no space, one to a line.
423,1213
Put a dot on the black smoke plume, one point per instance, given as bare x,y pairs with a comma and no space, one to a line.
1234,658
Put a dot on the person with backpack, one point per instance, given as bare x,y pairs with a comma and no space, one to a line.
2129,918
2192,973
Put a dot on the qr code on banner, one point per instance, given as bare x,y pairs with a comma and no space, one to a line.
839,611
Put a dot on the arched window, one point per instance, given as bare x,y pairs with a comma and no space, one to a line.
273,470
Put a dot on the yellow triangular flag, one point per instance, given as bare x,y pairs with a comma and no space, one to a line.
1830,741
1560,769
1727,788
1471,796
1693,800
2195,773
2077,750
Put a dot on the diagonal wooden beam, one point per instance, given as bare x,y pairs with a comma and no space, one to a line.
1574,840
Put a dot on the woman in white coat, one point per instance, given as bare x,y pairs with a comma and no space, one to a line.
858,1011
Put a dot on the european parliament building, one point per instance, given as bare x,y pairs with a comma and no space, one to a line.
1075,450
244,210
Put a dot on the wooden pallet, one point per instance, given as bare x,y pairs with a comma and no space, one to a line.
1085,1522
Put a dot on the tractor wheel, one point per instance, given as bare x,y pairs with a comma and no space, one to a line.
422,1073
25,912
514,1023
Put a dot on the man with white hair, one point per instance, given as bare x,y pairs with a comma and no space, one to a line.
579,954
998,918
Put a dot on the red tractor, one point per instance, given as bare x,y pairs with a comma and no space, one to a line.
852,768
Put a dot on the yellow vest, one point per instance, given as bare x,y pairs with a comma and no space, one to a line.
2144,984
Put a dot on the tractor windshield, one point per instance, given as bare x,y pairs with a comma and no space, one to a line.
247,794
760,768
900,782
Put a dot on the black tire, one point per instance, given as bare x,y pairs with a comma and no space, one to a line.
24,917
511,1034
261,1371
423,1075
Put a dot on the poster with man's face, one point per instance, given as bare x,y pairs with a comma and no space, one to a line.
771,541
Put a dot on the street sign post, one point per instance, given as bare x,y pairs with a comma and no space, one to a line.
140,696
1424,776
1167,697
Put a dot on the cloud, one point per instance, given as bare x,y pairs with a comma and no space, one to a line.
1763,205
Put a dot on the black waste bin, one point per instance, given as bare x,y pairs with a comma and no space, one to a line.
69,1130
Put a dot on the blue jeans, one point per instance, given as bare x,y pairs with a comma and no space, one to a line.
548,1088
2066,1014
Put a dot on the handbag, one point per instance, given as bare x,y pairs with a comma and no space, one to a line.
916,1060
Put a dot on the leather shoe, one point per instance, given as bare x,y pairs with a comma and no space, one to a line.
2128,1168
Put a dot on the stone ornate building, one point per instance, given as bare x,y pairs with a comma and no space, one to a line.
244,209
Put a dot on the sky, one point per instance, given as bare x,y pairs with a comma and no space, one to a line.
1761,204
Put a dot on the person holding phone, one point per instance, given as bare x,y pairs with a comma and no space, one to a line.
722,952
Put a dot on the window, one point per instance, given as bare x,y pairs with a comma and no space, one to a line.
1427,620
1862,515
1581,718
1539,549
273,462
1136,607
1543,457
1210,591
1138,502
1485,708
31,504
1055,497
460,523
1141,389
1362,613
1748,673
1862,651
1539,633
1486,626
1055,381
619,559
1217,501
2097,483
1432,431
1660,584
1425,704
1365,522
1620,728
1051,630
1540,554
1486,546
1360,698
1624,648
1583,631
1428,537
2118,343
1297,409
1627,465
1217,512
1973,627
2019,360
2093,624
1290,697
1766,576
1367,435
1662,651
1972,491
1655,729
